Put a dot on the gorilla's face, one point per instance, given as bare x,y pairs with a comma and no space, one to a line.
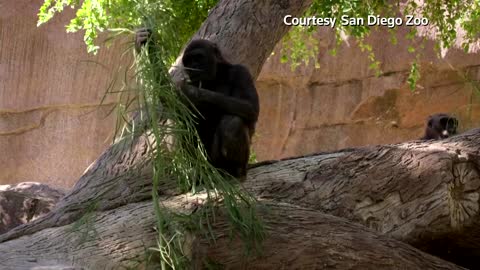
200,62
444,125
449,125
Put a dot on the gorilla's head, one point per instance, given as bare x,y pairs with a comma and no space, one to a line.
201,59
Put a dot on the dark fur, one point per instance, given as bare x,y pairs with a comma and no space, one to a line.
440,126
226,97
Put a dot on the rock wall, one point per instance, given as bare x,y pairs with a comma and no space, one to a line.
52,127
343,104
51,124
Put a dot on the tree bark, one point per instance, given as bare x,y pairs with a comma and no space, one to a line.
425,193
297,238
247,31
419,192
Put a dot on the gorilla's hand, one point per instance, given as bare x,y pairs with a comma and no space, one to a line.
191,92
141,37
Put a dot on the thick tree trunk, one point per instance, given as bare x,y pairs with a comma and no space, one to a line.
421,193
247,31
298,238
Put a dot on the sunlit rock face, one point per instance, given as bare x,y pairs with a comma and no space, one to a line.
343,104
51,127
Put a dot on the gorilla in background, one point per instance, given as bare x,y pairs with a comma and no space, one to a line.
440,126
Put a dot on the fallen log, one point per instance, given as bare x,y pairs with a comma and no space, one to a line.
297,238
425,193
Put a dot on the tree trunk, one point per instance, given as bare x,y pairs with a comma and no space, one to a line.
422,193
247,31
298,238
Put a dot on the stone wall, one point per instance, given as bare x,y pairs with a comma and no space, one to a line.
343,104
52,127
51,124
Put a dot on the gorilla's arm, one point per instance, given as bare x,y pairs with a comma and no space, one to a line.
243,101
228,105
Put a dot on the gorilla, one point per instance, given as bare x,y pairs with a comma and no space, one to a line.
225,97
440,126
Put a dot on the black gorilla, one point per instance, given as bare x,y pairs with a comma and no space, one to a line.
226,98
440,126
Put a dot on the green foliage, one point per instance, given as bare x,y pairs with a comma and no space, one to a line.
353,9
295,49
253,156
470,22
374,64
299,47
445,16
414,75
96,16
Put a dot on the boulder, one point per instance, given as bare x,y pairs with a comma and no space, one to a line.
24,202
